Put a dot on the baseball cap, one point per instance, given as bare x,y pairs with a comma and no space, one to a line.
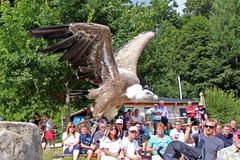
119,121
133,128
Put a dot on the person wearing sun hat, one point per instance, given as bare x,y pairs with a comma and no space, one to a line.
119,123
203,112
232,152
130,146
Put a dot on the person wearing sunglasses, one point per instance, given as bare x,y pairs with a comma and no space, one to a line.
110,145
70,140
206,145
129,146
232,152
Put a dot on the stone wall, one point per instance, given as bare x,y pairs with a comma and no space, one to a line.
19,141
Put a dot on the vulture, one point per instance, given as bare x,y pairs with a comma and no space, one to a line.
88,50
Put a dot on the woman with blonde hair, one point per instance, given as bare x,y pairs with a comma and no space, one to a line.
158,141
70,140
110,145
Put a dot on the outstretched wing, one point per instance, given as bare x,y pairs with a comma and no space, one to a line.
87,48
127,56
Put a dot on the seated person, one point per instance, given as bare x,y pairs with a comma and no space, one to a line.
86,143
141,139
159,140
226,135
119,123
177,134
136,117
99,134
232,152
70,140
206,145
129,146
168,129
110,145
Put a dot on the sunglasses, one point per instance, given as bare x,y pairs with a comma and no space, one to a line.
210,127
113,129
119,124
133,132
72,127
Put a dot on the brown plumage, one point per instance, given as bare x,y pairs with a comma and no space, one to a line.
88,49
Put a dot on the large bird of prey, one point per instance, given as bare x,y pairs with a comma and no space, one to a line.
88,49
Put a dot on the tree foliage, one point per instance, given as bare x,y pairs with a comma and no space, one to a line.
222,105
201,46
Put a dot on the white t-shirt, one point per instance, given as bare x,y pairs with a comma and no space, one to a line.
156,117
112,146
178,135
129,147
70,139
137,119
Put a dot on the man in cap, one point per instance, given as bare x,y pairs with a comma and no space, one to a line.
232,152
119,123
129,146
203,112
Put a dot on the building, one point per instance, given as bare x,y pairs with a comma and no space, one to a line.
176,107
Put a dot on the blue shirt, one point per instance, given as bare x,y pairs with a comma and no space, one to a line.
85,139
155,142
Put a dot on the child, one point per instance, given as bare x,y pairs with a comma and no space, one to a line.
48,130
85,143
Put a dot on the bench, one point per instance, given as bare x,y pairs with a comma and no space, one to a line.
62,156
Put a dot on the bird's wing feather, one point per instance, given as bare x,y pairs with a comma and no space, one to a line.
87,48
127,56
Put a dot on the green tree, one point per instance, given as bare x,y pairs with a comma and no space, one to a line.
197,8
27,79
226,44
222,105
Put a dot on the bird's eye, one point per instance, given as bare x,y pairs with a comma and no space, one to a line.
148,93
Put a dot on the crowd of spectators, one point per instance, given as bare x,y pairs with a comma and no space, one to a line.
128,138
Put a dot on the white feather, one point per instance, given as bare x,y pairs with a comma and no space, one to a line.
133,90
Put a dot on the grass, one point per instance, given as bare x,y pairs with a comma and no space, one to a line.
49,153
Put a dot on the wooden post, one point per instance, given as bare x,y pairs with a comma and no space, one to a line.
68,100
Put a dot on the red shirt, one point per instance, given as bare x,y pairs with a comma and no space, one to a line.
188,110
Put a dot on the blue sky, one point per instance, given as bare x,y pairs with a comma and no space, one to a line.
181,4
